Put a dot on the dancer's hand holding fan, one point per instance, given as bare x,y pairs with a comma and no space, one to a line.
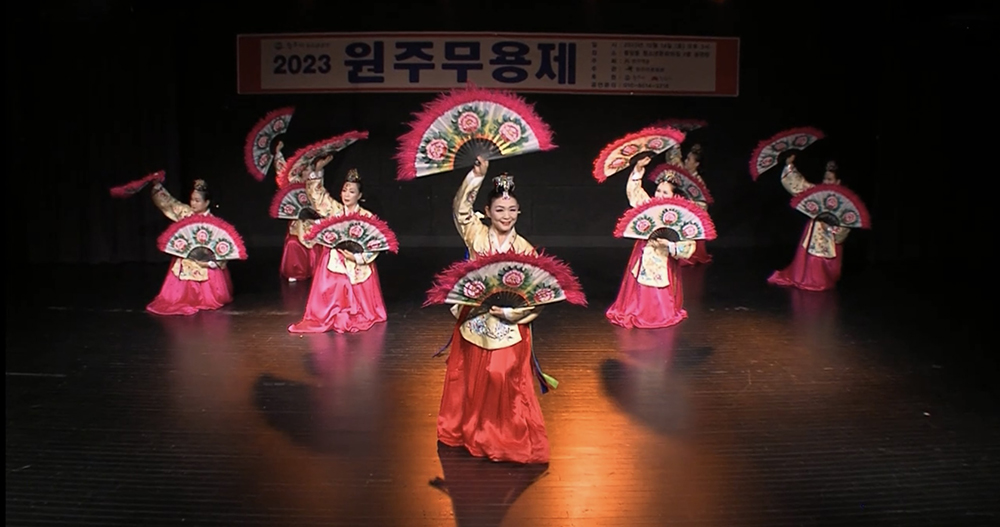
456,128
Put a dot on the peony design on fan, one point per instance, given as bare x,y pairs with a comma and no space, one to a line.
455,128
682,216
292,203
618,154
202,237
306,156
766,155
833,201
354,232
506,280
257,150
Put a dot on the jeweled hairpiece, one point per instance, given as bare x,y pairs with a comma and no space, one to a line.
504,183
200,185
353,176
831,166
669,176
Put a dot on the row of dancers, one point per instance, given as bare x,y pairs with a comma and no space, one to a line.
489,403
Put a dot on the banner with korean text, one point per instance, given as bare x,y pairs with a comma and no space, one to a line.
525,62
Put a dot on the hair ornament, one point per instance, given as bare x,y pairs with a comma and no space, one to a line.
504,183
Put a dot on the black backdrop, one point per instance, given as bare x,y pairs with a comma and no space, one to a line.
99,93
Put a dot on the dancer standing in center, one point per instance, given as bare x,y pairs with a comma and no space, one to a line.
650,295
489,405
345,295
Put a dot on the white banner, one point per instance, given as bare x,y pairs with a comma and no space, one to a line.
430,62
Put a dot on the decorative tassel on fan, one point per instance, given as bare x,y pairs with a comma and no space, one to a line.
506,280
765,156
620,153
684,125
458,126
834,205
204,238
257,149
133,187
304,157
694,188
292,203
673,218
355,233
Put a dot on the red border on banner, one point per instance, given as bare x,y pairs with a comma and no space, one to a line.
727,63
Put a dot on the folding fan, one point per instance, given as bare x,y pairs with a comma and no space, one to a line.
304,157
833,204
506,280
133,187
355,233
684,125
693,187
202,237
458,126
766,155
659,216
292,203
257,150
618,154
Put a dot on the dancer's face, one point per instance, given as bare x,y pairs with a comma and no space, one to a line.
503,213
198,202
691,163
664,190
350,194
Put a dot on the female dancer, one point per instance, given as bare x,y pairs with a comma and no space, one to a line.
190,285
299,256
691,163
818,258
489,405
650,295
345,295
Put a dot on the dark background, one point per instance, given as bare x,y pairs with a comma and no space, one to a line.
103,92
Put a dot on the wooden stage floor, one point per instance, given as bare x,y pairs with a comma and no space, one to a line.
875,404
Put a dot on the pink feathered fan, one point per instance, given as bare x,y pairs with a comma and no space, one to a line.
690,185
618,155
765,156
202,237
507,280
833,204
304,157
133,187
292,203
257,150
355,233
673,218
458,126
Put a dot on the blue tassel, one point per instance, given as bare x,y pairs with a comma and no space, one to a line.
546,381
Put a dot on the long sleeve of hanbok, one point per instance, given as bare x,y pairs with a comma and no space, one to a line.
320,198
793,181
169,205
636,195
467,222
